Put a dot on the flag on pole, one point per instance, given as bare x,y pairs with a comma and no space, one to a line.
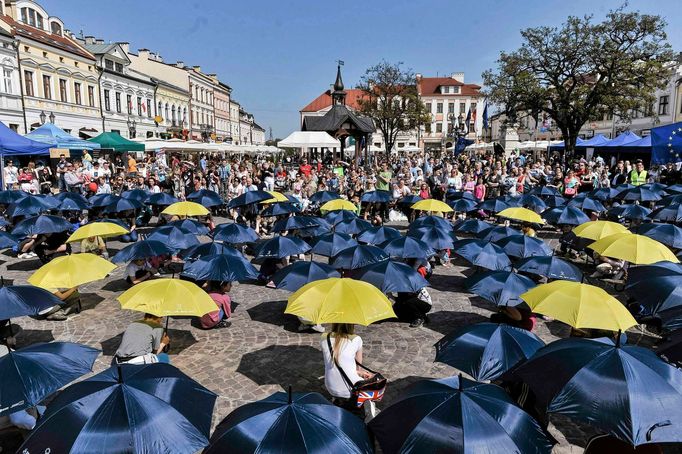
473,117
485,116
666,143
468,120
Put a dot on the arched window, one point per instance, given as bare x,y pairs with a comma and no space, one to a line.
166,116
173,114
56,28
159,109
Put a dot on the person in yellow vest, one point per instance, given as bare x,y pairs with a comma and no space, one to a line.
638,175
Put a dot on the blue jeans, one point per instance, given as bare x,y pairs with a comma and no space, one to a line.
163,358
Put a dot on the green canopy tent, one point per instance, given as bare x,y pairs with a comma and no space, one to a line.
114,141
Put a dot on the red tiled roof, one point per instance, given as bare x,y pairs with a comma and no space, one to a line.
50,39
325,100
429,86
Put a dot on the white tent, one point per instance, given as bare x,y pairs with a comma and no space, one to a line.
309,139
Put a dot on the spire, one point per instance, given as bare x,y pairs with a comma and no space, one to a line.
338,85
338,95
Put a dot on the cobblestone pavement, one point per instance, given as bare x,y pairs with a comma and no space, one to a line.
262,353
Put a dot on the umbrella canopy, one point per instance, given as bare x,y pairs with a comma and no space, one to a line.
114,141
406,247
220,268
20,300
119,204
551,267
497,233
143,249
487,350
378,235
279,247
604,194
12,144
190,225
451,194
293,277
637,249
641,194
209,249
100,229
579,305
340,300
162,199
139,195
206,198
432,205
522,246
502,288
352,227
545,191
376,197
566,215
331,244
390,276
41,224
11,195
338,216
69,204
669,213
358,256
554,201
493,205
34,372
296,223
127,409
28,206
295,423
533,202
71,271
167,297
431,221
482,253
7,240
101,200
173,237
276,197
338,204
279,209
185,209
521,214
657,287
249,198
471,226
235,234
324,196
435,237
596,230
668,234
624,390
584,202
630,211
463,205
470,417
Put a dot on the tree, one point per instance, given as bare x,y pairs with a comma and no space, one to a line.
582,70
390,99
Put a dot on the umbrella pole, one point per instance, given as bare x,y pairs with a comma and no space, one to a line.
290,399
165,330
120,374
11,333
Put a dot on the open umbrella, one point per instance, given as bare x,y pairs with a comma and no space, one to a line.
331,244
28,206
340,300
497,232
406,247
71,271
279,247
656,287
521,214
220,268
544,191
100,229
669,213
7,240
338,204
127,409
596,230
101,200
435,237
487,350
378,235
604,194
142,250
565,215
161,199
173,237
139,195
338,216
249,198
34,372
641,194
72,205
431,221
234,233
293,277
391,276
21,300
324,196
206,198
493,205
668,234
533,202
190,225
637,249
167,297
432,205
376,197
209,249
11,195
358,256
554,201
584,202
482,253
629,211
276,197
41,224
296,423
522,246
451,194
624,390
502,288
296,223
352,227
463,205
185,209
471,226
119,204
456,415
551,267
279,209
322,228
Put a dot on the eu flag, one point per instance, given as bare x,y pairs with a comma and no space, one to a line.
666,143
468,120
485,116
461,144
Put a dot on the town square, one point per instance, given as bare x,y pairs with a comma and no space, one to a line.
391,243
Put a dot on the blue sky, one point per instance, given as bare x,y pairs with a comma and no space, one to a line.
278,55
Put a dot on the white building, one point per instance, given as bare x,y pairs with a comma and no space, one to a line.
201,92
11,111
234,122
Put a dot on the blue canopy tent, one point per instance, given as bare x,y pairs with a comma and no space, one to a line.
597,141
12,144
58,138
560,146
622,140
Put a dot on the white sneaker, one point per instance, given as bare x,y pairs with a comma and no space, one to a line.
32,255
23,255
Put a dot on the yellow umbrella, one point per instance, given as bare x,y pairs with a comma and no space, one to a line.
185,209
340,300
596,230
338,204
164,297
276,197
71,271
579,305
100,229
432,205
521,214
637,249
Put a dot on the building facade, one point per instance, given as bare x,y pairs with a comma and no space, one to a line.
257,135
11,102
202,97
235,107
59,78
223,129
245,127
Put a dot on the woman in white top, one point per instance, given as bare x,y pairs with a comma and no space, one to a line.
347,351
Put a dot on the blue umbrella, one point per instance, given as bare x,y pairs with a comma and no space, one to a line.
376,197
676,198
533,202
629,211
206,198
656,187
20,300
316,231
584,202
358,256
249,198
162,199
670,213
604,194
290,423
522,246
511,200
324,196
70,195
127,409
102,200
139,195
7,240
337,216
34,372
550,267
119,204
209,249
409,200
378,235
456,415
407,247
280,247
435,237
431,221
487,350
220,268
113,221
493,205
279,209
391,276
657,287
482,253
471,226
624,187
624,390
565,215
675,188
41,224
142,250
295,223
294,276
331,244
554,201
11,196
668,234
497,232
502,288
352,227
639,193
175,238
191,225
545,191
69,204
28,206
452,195
234,233
463,205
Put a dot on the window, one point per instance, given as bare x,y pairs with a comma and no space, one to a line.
31,17
56,28
108,64
451,108
473,107
445,89
39,21
663,105
119,67
47,91
439,108
118,102
24,15
428,107
7,79
62,90
462,108
149,108
91,96
77,92
28,82
107,101
173,115
129,103
439,127
139,106
166,116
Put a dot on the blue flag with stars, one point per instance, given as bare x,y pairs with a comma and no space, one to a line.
666,143
485,116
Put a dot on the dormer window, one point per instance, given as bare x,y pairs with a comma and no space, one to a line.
31,17
56,28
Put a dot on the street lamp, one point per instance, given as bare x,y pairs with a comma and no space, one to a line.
132,126
51,117
42,117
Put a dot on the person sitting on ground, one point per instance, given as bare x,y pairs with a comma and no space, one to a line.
95,245
413,307
51,245
607,267
138,271
71,302
220,318
25,248
528,230
514,316
143,342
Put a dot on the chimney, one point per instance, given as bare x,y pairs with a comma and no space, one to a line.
143,53
197,68
459,77
99,41
89,40
180,64
125,46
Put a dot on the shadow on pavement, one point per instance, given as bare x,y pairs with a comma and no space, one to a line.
117,285
445,322
180,340
272,312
